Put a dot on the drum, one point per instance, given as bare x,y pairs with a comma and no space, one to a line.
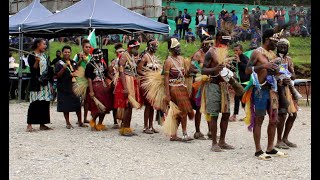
226,74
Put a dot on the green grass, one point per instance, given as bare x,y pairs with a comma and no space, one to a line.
300,50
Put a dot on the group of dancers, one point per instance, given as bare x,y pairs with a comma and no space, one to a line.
180,88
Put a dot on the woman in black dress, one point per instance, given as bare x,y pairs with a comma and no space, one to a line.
40,87
67,100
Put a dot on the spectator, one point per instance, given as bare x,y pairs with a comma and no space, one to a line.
301,16
211,24
202,22
234,17
190,37
176,35
281,17
263,20
186,22
295,30
270,15
197,21
257,15
308,20
163,19
58,57
24,59
11,58
276,16
178,19
245,21
252,18
293,15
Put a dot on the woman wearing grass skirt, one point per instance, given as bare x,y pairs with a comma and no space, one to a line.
175,88
100,94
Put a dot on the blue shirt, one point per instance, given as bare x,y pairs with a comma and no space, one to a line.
176,36
234,19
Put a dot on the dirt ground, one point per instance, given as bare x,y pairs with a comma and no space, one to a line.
83,154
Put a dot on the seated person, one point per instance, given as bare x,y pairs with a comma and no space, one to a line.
253,44
190,37
176,35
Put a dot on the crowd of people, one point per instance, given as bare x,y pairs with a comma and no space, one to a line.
248,26
189,88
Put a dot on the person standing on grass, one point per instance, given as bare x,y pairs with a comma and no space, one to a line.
185,23
67,101
178,19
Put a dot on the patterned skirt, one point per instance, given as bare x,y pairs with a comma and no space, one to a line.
180,96
103,94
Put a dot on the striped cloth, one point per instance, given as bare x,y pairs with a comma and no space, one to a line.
45,91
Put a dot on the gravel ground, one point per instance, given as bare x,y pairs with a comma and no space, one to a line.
82,154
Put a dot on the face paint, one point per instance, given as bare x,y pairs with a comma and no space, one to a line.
153,48
282,48
177,50
134,51
205,47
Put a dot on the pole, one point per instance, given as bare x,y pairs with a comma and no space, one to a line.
100,41
20,66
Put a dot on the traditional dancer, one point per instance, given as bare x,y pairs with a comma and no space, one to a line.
216,91
99,97
82,59
261,96
40,87
148,62
176,90
113,73
127,93
195,69
67,100
287,99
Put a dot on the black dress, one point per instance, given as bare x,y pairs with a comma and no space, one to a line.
67,101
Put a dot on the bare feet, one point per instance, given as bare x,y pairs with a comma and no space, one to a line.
216,148
226,146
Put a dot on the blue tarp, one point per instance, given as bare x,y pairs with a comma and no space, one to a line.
102,15
33,12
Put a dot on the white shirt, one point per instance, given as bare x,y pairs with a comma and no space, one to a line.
25,59
11,59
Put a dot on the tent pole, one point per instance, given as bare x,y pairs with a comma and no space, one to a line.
100,41
20,66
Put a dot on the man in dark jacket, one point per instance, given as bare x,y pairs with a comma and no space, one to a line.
186,22
163,19
178,19
241,63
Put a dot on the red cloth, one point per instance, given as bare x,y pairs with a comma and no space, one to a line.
103,94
